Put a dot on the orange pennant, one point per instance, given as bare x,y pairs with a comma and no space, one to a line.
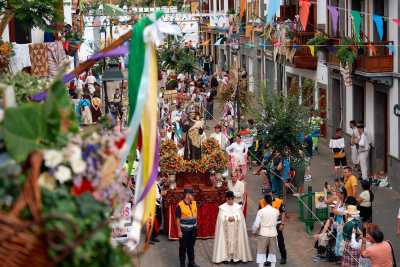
242,7
372,50
304,12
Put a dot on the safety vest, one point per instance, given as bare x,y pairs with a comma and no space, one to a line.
277,203
188,214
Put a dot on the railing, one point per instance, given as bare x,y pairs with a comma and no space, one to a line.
332,59
303,58
375,57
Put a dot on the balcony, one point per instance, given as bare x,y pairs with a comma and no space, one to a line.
302,58
378,62
288,12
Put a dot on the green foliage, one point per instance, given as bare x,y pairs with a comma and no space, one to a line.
24,85
347,52
319,39
178,58
284,120
34,13
33,126
86,214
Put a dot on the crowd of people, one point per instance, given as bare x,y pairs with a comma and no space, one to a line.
347,237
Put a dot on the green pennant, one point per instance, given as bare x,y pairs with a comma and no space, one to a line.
356,22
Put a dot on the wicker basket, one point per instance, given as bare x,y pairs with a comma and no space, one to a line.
23,243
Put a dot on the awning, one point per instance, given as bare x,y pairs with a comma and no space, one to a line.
112,74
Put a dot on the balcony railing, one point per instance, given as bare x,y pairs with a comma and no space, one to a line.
380,61
332,59
303,58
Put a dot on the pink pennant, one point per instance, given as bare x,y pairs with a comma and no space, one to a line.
304,12
397,21
277,44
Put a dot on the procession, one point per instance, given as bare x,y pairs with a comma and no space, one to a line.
199,133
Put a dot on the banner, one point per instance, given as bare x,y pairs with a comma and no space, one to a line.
357,23
273,7
334,12
379,25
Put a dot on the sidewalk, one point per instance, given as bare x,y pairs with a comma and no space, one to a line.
385,206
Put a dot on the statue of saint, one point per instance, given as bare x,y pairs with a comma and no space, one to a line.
193,128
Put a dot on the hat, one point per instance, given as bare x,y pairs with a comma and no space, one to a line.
229,194
188,190
352,210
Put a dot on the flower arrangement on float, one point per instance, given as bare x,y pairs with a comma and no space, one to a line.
58,185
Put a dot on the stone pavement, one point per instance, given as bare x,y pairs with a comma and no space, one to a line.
299,244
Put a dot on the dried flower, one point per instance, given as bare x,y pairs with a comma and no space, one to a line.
78,166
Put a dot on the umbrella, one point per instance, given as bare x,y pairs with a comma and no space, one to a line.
113,10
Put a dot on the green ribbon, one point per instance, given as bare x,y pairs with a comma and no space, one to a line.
357,22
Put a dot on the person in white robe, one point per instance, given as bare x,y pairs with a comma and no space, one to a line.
231,241
220,137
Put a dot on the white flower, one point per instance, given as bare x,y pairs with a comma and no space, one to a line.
52,158
73,152
78,166
63,174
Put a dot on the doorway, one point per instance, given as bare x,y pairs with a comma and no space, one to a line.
336,104
381,131
322,110
358,103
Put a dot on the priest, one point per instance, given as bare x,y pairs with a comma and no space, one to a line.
231,242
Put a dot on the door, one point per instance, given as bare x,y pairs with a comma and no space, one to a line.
322,110
358,103
336,104
381,131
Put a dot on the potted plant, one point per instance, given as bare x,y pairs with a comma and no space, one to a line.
347,52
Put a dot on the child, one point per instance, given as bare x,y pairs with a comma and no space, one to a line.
339,155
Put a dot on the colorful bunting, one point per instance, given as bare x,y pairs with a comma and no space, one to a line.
304,12
334,12
357,22
379,25
371,49
397,21
273,8
312,49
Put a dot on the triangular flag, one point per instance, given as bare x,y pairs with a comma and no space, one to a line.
357,22
391,48
379,25
295,46
277,44
397,21
304,12
312,49
333,11
242,7
272,9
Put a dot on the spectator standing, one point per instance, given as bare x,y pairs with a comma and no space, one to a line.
238,156
363,151
90,82
381,252
350,182
339,156
365,200
308,151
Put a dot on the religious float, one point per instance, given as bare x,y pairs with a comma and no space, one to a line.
203,174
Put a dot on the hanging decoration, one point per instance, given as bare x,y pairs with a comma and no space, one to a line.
391,48
242,8
371,49
273,8
379,25
304,12
312,49
397,21
334,13
357,23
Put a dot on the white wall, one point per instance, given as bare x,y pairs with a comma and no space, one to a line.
322,12
6,37
68,12
349,110
370,111
37,35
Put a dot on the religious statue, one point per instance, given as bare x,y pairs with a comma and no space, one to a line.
193,128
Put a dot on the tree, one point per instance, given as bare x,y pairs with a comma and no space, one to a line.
284,120
30,13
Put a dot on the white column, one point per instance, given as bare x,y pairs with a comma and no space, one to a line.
394,134
322,13
349,109
370,111
68,12
6,37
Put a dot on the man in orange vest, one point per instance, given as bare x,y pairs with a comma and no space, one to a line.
278,204
186,222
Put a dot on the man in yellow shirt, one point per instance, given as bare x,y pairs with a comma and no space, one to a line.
350,182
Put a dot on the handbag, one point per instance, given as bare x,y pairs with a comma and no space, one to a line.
394,258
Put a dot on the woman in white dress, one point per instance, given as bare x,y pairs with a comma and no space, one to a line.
238,156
